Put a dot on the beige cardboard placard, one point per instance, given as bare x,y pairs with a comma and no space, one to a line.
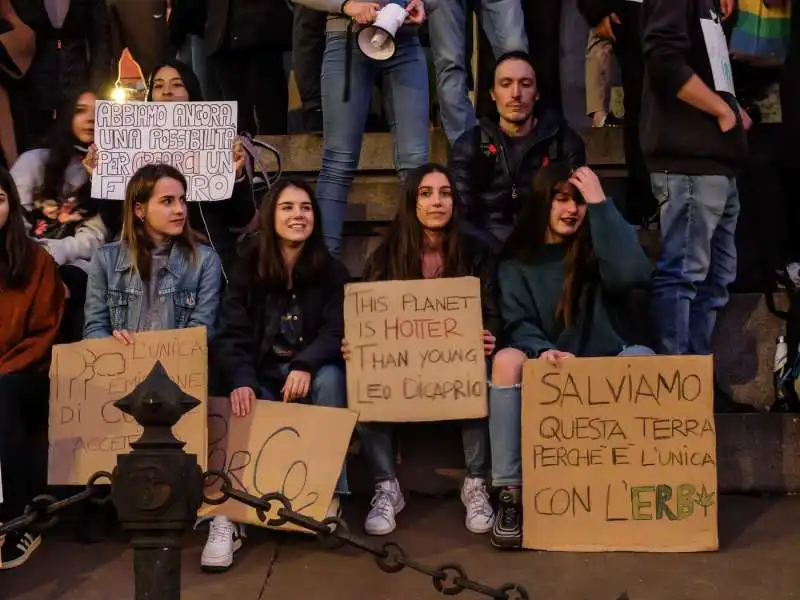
294,449
619,454
87,431
417,352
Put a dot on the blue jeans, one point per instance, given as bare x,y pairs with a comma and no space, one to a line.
504,24
505,427
328,388
405,79
698,258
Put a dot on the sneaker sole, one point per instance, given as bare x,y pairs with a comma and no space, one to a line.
24,558
506,544
400,506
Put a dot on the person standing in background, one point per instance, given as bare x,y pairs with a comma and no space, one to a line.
141,27
245,41
503,22
17,45
694,141
308,47
620,23
73,53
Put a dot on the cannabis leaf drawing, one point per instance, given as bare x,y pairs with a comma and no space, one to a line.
705,499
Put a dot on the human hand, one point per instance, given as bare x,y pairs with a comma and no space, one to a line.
555,357
123,336
747,122
345,350
67,293
242,401
588,184
239,157
363,13
605,28
89,161
727,120
416,12
296,386
727,7
489,342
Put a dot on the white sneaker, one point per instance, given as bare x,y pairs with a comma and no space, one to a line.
480,515
386,503
223,540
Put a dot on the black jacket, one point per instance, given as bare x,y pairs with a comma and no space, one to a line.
595,11
242,24
491,189
676,136
243,343
75,57
480,262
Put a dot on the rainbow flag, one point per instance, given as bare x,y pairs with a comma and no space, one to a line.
760,33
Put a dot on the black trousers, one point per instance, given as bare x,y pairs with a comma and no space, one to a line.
640,204
308,46
141,26
72,325
256,78
23,408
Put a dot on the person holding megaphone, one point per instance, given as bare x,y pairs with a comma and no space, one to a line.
364,41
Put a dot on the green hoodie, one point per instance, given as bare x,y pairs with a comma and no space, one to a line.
530,292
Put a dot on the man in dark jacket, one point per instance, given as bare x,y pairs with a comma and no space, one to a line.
493,163
693,138
245,41
620,21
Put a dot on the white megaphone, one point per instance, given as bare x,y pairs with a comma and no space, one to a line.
377,40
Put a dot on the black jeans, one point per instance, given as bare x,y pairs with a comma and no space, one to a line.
23,404
75,279
256,78
308,46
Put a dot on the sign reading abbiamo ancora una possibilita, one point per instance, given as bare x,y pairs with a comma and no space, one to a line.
416,350
194,137
619,454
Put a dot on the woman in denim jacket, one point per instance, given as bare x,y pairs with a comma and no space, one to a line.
158,276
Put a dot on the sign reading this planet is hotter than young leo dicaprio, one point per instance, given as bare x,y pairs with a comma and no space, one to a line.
416,350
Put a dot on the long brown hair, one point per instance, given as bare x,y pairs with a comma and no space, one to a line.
139,191
314,257
399,256
17,251
527,241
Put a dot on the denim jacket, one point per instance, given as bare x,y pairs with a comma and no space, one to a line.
189,294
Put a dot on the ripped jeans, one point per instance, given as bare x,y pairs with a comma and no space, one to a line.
505,427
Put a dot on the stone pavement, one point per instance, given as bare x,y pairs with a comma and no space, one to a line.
758,561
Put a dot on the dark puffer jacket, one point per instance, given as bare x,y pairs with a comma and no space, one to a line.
491,187
69,59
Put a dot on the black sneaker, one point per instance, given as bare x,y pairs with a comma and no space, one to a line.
17,549
507,530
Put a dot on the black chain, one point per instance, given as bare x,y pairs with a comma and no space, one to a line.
333,532
42,512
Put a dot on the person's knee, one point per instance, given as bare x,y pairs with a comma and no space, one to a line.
329,387
507,367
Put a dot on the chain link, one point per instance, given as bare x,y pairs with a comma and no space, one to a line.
333,532
42,512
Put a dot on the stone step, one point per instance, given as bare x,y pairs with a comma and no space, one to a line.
302,153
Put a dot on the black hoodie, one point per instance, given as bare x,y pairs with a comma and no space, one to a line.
676,136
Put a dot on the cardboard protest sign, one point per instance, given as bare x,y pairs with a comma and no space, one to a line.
87,431
194,137
294,449
619,454
417,351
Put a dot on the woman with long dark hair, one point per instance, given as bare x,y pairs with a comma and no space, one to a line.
159,275
281,327
55,191
174,81
424,241
569,266
32,306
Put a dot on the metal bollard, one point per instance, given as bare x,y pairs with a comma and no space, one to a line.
157,487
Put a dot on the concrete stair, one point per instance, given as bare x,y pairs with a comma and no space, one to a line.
756,453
